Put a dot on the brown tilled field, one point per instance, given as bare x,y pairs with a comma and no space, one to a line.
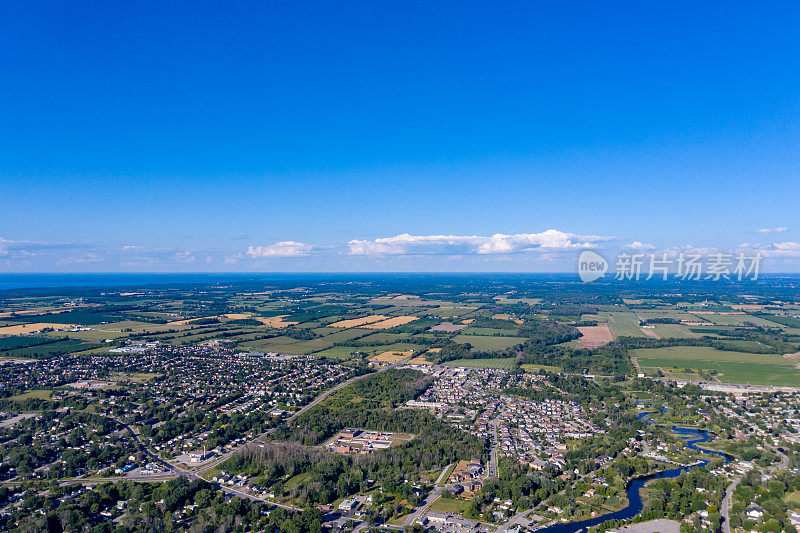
595,336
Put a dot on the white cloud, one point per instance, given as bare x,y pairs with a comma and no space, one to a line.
407,244
636,245
779,229
776,249
280,249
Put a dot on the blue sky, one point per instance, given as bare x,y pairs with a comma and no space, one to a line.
350,136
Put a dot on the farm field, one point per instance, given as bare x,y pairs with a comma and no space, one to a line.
391,357
733,367
623,324
673,331
594,336
390,323
503,363
345,352
647,314
275,321
487,343
491,332
738,320
356,322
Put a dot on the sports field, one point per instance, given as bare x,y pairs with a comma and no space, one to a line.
502,363
732,367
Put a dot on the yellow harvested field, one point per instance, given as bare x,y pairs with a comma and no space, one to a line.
275,321
391,357
595,336
507,317
236,316
390,323
435,350
19,329
356,322
419,360
468,321
36,311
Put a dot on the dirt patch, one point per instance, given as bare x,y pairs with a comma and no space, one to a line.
594,336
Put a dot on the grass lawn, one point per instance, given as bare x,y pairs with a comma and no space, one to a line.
503,363
793,497
38,394
449,505
485,343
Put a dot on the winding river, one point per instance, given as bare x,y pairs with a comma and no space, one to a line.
635,503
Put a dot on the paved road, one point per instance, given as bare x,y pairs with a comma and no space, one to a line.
495,445
725,510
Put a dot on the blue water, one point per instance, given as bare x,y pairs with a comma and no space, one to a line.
636,504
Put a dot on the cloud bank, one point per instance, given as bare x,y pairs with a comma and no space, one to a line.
407,244
280,249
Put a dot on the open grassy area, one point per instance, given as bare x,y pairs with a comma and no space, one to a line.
37,394
449,505
732,367
503,363
345,352
535,368
489,344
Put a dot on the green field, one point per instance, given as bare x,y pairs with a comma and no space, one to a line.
489,344
673,331
733,367
739,320
38,394
345,352
623,324
449,505
535,368
647,314
59,347
491,331
502,363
